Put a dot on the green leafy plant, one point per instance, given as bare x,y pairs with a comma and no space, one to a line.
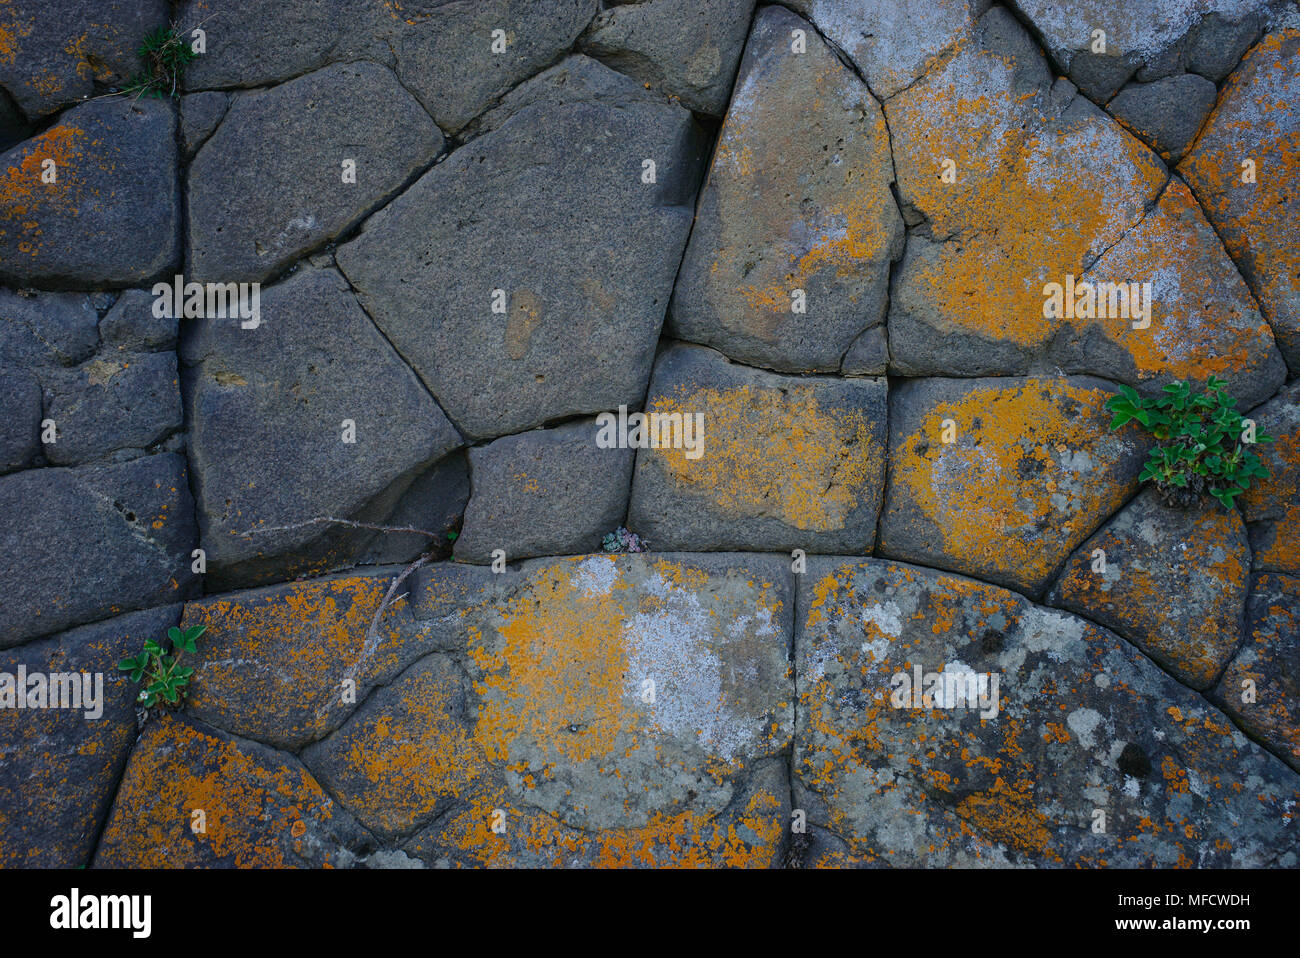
158,666
1201,449
165,54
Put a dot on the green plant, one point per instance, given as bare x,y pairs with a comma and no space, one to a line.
1204,443
159,666
165,54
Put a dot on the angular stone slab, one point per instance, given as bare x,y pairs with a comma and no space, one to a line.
1084,724
1146,35
1165,114
1257,118
117,401
516,210
1032,470
306,129
434,502
112,217
1045,182
1204,321
267,409
87,543
1174,583
554,717
20,430
798,199
40,330
52,54
287,664
1272,506
892,44
60,766
261,807
785,463
687,51
544,492
1267,661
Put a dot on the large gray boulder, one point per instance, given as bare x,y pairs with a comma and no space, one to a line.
796,228
82,544
582,249
305,131
268,437
781,462
111,217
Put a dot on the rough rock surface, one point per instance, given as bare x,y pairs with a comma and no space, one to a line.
270,409
259,808
1272,506
796,227
59,766
544,492
688,51
1257,119
1083,725
1260,686
434,502
124,532
641,730
1139,35
1171,581
1030,471
780,462
306,130
52,54
111,216
515,210
1165,114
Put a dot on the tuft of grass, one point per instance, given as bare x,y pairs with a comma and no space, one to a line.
1204,443
158,666
164,54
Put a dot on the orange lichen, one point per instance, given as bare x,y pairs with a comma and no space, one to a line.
778,453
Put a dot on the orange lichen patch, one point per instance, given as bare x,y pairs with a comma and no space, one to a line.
1016,488
1034,197
24,197
250,808
11,34
1007,814
409,762
679,839
776,452
1203,318
278,658
553,675
1256,119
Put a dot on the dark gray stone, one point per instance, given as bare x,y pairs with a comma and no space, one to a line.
1217,43
40,330
20,425
1167,113
81,544
199,117
113,402
59,767
435,502
688,51
131,325
798,199
544,492
584,252
112,217
266,413
786,462
869,354
304,130
52,54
